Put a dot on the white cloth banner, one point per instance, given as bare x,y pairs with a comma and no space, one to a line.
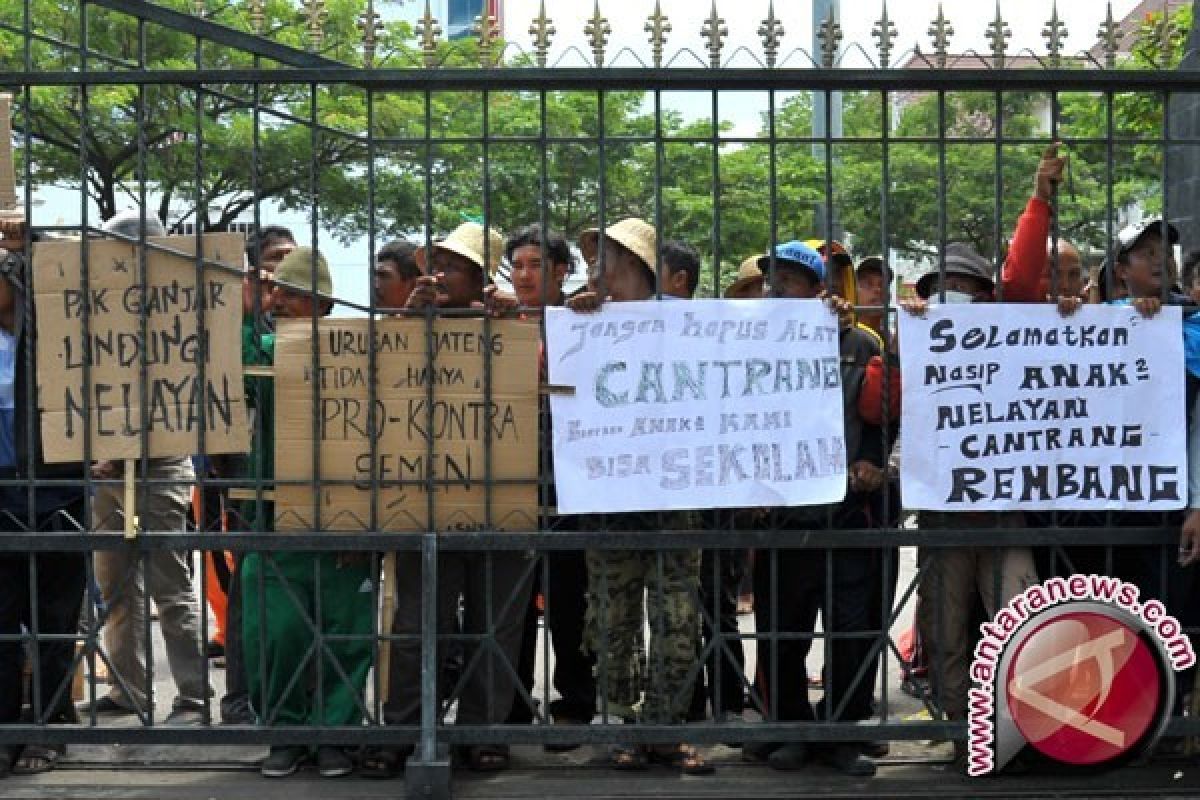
1010,406
696,404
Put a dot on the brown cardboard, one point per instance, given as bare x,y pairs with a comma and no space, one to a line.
341,424
172,416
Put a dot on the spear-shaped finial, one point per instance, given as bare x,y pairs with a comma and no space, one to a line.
597,31
771,31
486,32
317,14
428,31
542,30
258,16
714,30
885,34
658,26
998,34
1109,36
1054,33
830,34
941,30
371,26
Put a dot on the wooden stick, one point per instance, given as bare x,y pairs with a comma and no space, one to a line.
387,588
131,526
8,173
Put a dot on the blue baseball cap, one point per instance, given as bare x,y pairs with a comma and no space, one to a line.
795,254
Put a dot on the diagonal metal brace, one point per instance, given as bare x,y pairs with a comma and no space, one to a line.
215,32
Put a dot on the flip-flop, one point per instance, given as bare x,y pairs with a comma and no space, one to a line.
627,758
27,762
683,757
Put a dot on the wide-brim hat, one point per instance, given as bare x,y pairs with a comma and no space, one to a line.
468,240
747,274
635,235
960,259
295,272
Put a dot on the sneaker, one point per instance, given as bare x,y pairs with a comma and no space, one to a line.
283,761
185,715
332,762
237,711
106,705
848,760
790,757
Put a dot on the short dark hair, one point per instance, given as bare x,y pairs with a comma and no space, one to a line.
557,249
1187,271
258,238
404,254
678,255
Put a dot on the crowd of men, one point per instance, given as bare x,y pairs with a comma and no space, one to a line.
600,603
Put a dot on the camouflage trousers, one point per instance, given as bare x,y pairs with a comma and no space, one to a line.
620,584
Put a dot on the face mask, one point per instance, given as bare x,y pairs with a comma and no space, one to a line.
956,297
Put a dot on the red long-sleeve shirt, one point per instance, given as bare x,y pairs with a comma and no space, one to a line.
1021,278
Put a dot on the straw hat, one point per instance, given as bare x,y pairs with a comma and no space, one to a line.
467,240
295,271
635,235
747,274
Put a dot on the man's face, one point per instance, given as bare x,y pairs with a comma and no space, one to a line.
870,288
272,251
389,287
1146,266
954,282
288,303
529,277
1070,273
462,280
625,277
793,282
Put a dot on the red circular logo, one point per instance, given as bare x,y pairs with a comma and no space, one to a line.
1083,688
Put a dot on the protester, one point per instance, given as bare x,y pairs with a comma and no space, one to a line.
127,575
291,597
873,279
623,582
458,275
540,265
748,283
48,606
1039,268
954,576
792,586
395,274
265,249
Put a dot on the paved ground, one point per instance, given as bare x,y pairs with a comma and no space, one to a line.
914,769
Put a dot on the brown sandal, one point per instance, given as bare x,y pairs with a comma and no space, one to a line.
683,757
627,758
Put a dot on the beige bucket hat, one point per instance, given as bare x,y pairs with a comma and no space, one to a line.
295,271
747,274
467,240
635,235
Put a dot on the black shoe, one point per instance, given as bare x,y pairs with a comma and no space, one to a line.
759,752
185,715
106,705
332,762
875,749
283,761
789,757
237,711
847,759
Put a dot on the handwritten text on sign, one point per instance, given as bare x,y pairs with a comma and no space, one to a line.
180,402
452,439
697,404
1017,407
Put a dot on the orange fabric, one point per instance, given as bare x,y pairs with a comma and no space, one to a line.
1022,274
216,597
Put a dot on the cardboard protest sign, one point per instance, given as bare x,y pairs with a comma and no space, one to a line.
1016,407
449,437
179,404
698,404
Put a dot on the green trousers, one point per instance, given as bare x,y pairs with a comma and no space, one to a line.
283,626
